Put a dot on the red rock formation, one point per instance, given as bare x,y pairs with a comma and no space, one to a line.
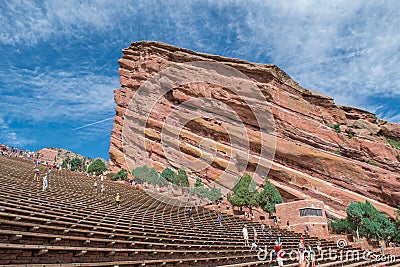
311,159
48,155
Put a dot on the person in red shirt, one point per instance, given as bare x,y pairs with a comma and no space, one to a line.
279,253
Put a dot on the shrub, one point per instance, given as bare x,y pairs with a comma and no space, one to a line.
337,127
350,135
395,144
398,156
337,152
121,175
374,163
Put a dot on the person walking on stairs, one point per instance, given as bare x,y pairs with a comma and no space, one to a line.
37,173
245,233
45,183
220,219
118,200
95,186
190,214
255,234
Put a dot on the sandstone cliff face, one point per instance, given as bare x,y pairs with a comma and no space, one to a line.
312,160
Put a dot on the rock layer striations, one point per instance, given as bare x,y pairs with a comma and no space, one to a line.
325,151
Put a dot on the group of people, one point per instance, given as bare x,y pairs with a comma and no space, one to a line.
45,178
102,186
11,151
303,250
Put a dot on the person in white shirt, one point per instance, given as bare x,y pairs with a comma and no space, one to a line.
245,235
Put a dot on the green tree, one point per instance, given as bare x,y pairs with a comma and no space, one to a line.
121,175
76,164
169,175
364,220
244,193
152,176
198,183
199,188
340,226
65,162
214,194
97,166
355,214
269,197
162,182
182,178
140,173
396,226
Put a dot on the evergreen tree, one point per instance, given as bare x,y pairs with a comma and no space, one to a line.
65,162
97,166
198,183
364,220
340,226
121,175
244,193
169,175
269,197
140,173
76,164
182,178
199,188
214,194
152,176
396,227
162,182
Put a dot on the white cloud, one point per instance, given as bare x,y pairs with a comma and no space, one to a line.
56,95
346,49
10,137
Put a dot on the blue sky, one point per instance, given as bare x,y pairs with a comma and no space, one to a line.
58,60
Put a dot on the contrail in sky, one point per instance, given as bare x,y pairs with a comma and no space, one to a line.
90,124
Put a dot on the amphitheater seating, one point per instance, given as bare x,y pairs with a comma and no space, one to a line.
70,224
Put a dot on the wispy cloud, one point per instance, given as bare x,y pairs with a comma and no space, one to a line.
60,57
58,95
10,137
